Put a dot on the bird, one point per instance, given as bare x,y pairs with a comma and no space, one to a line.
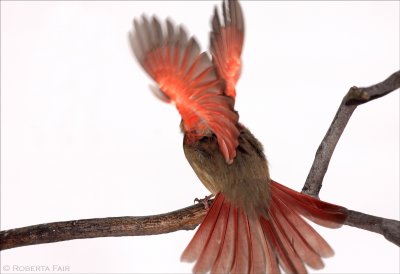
254,224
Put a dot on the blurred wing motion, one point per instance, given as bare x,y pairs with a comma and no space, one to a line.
229,240
186,78
226,43
254,225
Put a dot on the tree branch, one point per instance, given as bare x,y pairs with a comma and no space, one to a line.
390,229
189,217
354,97
183,219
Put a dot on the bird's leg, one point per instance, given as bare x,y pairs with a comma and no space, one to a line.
205,200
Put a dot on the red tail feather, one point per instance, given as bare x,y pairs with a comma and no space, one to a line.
322,213
230,240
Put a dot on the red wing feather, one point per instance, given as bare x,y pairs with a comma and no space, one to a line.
188,79
226,43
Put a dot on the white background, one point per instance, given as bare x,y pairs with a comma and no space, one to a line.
83,137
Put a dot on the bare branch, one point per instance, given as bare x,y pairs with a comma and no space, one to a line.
390,229
184,219
189,217
358,96
354,97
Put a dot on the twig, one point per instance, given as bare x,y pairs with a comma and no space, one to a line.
354,97
190,217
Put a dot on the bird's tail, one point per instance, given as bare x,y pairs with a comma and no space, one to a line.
230,240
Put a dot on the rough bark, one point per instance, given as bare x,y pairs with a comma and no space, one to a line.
354,97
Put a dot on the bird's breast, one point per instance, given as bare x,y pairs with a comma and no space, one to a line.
245,182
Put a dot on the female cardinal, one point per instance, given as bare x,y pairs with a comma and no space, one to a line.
254,224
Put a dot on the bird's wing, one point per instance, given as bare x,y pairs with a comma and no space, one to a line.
187,79
226,44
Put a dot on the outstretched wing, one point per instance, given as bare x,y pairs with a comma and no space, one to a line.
186,78
226,43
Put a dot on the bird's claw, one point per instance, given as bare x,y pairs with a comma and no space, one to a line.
205,200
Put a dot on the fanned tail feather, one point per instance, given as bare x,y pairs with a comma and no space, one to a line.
230,240
320,212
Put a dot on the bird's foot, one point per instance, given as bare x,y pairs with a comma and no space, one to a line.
205,200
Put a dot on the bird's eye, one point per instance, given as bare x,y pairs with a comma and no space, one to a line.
204,139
